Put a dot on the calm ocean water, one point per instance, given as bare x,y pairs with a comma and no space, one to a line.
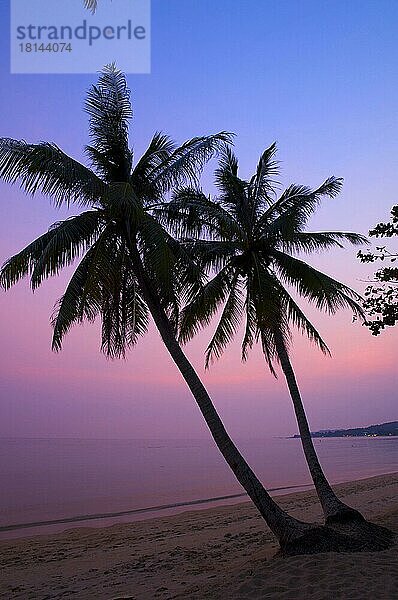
54,479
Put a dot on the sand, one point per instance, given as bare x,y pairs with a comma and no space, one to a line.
219,553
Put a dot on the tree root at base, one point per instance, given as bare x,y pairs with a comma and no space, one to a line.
355,537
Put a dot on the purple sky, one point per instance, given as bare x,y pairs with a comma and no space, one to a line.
322,80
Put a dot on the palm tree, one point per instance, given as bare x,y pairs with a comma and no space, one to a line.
250,238
130,267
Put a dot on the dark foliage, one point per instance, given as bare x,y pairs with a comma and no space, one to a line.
381,297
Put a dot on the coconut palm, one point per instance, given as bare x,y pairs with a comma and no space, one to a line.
130,267
250,238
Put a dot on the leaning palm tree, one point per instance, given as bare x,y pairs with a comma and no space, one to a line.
130,267
250,238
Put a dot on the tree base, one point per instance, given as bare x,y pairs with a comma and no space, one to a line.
362,537
345,515
352,523
373,537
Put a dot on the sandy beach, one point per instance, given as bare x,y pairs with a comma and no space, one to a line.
224,552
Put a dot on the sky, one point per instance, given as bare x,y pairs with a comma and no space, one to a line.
320,78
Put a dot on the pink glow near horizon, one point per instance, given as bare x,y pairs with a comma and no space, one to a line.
78,392
274,83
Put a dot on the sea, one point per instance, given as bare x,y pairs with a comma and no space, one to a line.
49,485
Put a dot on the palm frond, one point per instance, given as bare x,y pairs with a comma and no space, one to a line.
228,162
214,255
45,168
109,107
124,313
100,162
185,164
262,185
228,323
83,296
267,340
200,311
184,215
299,202
57,248
233,189
265,294
320,240
76,303
124,204
71,238
192,214
325,292
103,285
189,277
249,337
158,152
157,256
298,319
22,264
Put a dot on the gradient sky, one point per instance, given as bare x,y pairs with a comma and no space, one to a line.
321,78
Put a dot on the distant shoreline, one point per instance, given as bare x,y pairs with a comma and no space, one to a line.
389,429
316,435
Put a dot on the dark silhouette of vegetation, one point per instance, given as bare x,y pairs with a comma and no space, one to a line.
249,239
130,268
381,430
381,297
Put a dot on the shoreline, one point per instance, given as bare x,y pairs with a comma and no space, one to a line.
134,511
214,553
107,498
44,527
108,519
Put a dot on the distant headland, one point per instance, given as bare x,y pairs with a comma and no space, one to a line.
384,429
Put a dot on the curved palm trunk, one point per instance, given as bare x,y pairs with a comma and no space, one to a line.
286,528
334,509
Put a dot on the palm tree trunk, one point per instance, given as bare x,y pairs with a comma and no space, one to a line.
334,509
294,536
286,528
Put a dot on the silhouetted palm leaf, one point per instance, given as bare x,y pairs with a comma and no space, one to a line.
45,168
118,221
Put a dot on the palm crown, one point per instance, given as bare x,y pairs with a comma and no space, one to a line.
116,196
249,237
